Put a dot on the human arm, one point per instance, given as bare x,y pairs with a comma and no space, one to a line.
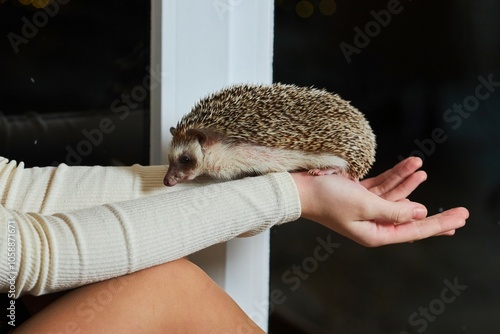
66,250
375,212
47,190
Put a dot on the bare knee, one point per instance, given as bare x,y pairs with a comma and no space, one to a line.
176,296
205,307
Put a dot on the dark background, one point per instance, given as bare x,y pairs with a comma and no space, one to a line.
411,71
62,68
427,59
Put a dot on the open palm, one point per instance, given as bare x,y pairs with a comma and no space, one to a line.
376,211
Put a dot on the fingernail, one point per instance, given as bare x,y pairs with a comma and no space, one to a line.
419,213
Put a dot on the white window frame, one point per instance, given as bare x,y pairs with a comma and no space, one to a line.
202,46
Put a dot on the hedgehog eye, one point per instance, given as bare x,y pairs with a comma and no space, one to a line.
184,159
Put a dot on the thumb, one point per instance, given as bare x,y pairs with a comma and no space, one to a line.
400,212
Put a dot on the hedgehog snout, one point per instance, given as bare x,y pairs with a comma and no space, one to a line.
169,180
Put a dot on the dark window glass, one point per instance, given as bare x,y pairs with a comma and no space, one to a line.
74,84
427,76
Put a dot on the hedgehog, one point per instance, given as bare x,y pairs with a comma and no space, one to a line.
248,130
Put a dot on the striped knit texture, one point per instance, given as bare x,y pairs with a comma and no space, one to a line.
78,225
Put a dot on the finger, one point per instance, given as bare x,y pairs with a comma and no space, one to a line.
456,211
395,212
447,233
444,234
444,223
405,188
393,177
406,164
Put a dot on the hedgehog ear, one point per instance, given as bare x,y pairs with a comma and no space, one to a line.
204,136
173,131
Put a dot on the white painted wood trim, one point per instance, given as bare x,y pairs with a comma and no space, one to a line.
202,46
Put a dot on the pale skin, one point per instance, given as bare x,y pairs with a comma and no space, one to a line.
179,297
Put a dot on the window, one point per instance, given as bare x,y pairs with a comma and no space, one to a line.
75,82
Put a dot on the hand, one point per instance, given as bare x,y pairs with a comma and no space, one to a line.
375,211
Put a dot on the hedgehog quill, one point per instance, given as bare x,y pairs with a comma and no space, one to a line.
248,130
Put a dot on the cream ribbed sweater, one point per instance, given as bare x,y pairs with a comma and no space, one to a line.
77,225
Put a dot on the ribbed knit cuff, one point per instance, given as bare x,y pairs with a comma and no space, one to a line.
288,195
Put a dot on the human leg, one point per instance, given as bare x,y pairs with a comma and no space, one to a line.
177,297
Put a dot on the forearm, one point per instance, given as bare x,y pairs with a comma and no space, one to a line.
59,189
67,250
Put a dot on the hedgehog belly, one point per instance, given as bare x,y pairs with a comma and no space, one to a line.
247,160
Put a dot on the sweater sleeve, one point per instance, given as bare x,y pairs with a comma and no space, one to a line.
66,249
47,190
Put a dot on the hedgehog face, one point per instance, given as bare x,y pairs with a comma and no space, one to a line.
185,162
